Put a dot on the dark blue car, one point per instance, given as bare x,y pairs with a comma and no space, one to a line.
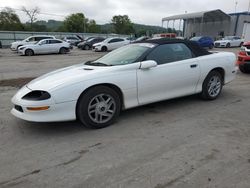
205,42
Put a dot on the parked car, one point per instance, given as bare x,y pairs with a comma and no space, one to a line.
143,38
73,40
79,45
204,41
136,74
244,58
229,41
30,40
110,44
87,45
45,46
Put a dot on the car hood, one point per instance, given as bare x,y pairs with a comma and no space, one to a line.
17,42
225,41
65,76
96,44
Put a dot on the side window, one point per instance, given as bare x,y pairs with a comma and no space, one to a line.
55,41
116,40
112,41
120,40
168,53
38,38
44,42
31,39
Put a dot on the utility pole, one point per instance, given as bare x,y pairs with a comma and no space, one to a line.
236,3
248,10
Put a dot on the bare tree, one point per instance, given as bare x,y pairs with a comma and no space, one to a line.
31,13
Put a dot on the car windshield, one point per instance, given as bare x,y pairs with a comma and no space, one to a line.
122,56
195,38
107,40
228,38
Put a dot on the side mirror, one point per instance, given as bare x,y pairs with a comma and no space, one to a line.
148,64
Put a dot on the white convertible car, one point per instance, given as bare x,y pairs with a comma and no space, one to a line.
137,74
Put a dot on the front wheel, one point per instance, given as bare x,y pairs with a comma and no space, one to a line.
212,86
98,107
86,47
243,69
211,46
29,52
228,45
104,49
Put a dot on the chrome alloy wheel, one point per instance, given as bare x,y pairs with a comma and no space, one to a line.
214,86
101,108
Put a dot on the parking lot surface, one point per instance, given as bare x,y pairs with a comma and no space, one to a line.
180,143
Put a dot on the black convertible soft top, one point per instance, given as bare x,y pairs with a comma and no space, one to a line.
196,49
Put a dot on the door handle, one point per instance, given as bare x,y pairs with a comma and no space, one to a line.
193,66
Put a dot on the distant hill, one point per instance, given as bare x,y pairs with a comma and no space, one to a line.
140,29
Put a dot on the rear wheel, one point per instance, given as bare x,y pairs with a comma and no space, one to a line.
98,107
212,86
241,44
29,52
62,51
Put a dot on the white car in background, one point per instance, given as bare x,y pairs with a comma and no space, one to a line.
30,40
110,44
73,40
229,41
46,46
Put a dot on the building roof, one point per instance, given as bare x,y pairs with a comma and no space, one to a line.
239,13
213,15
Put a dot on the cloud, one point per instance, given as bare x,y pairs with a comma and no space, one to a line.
140,11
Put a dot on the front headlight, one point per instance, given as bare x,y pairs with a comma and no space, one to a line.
37,95
21,48
243,48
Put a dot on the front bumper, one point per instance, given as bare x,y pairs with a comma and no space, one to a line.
97,48
56,111
220,45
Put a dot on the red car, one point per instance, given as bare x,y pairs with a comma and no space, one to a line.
244,58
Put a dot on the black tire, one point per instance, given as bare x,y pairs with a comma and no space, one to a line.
83,111
205,94
62,50
228,45
86,47
241,44
104,49
29,52
211,46
243,69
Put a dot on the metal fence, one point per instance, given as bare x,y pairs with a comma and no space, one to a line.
7,37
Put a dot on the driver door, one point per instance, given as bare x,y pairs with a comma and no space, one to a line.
176,74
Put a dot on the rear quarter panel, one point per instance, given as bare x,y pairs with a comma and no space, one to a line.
224,60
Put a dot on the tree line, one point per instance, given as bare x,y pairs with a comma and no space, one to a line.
77,22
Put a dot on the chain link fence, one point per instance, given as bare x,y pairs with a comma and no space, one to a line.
7,37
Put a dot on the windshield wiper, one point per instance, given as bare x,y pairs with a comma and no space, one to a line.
96,63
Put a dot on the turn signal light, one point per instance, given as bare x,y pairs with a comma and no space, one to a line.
38,108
